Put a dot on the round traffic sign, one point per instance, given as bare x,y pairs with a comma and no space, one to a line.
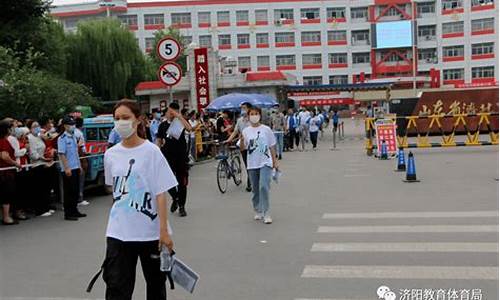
170,73
168,49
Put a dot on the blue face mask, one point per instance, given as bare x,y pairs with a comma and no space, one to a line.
37,130
243,112
157,116
71,129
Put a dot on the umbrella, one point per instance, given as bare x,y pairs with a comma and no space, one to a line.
234,100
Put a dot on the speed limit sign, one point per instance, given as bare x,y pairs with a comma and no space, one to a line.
170,73
168,49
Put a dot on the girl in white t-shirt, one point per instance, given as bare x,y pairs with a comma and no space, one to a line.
137,228
260,143
314,124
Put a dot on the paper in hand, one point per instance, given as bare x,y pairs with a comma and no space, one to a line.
175,129
184,275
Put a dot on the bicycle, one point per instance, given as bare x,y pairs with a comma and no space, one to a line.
229,167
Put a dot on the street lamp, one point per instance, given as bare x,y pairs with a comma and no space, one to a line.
107,4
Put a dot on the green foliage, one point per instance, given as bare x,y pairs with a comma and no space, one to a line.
28,92
104,55
174,33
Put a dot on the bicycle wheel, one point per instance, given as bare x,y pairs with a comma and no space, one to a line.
236,167
222,176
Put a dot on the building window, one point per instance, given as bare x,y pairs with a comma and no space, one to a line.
261,16
243,39
482,24
205,41
285,60
187,39
150,43
335,12
224,40
361,58
427,32
311,37
483,48
262,38
359,13
129,20
338,79
157,19
451,4
360,37
452,51
453,27
204,17
283,14
311,59
284,37
392,11
309,13
244,63
313,80
481,2
425,8
242,16
337,58
453,74
263,62
181,18
483,72
427,55
337,35
223,17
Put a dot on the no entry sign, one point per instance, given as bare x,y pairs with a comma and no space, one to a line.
170,73
168,49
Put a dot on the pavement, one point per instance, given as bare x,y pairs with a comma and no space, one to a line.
344,224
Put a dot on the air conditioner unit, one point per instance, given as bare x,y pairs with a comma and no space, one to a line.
428,37
429,60
278,22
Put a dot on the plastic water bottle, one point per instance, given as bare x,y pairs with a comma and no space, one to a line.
276,175
165,260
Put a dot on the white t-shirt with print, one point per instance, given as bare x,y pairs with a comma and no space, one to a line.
314,124
137,176
258,141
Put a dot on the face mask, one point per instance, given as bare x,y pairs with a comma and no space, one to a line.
124,128
17,131
52,130
71,129
37,130
157,116
243,112
255,119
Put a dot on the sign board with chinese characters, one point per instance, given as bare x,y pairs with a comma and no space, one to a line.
385,130
168,49
170,73
201,77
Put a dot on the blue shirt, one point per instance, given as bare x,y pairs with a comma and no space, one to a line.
114,138
335,118
68,146
292,122
155,124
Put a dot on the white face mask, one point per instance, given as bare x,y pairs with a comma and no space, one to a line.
124,128
255,119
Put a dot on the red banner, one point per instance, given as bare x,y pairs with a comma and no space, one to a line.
202,80
331,101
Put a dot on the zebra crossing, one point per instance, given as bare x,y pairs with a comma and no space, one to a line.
394,235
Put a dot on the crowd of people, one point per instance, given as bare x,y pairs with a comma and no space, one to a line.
32,153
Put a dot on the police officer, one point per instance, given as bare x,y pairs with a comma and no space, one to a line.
67,148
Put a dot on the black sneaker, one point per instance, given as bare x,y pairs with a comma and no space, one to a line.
174,206
182,212
80,215
249,188
279,157
71,218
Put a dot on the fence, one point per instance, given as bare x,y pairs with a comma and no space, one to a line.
479,129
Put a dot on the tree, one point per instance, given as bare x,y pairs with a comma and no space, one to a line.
104,55
174,33
31,93
25,25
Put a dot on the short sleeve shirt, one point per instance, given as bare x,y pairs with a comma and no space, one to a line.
68,146
258,142
137,176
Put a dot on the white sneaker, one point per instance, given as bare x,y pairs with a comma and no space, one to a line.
258,217
46,214
267,219
84,203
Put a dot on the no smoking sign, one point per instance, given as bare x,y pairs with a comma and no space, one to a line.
170,73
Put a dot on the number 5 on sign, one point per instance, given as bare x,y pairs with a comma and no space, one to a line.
168,49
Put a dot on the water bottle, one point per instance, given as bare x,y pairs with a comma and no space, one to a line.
165,260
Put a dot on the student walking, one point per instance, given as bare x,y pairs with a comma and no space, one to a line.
314,125
260,142
242,123
138,225
291,129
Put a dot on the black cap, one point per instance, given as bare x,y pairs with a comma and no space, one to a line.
68,120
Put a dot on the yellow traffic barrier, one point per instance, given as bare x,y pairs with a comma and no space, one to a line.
448,127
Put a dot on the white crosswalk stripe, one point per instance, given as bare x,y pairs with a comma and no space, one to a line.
405,215
408,228
404,247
